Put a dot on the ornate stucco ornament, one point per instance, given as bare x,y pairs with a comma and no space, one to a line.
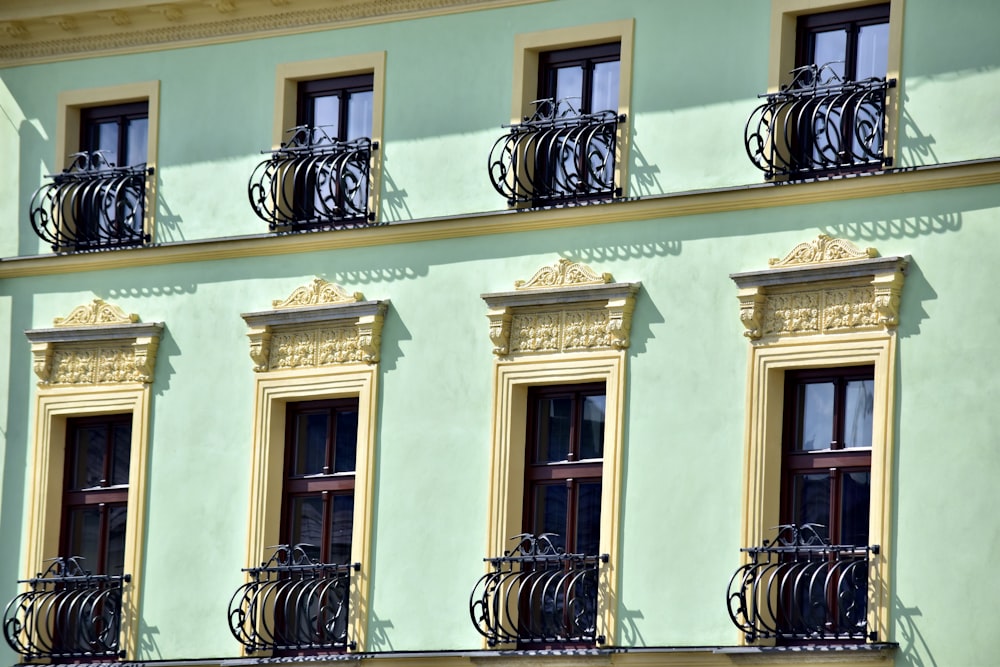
318,324
564,307
825,286
97,343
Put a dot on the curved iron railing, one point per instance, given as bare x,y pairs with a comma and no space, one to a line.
313,182
537,594
557,156
818,125
66,613
799,587
91,205
292,603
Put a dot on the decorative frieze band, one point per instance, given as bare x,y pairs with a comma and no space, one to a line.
563,308
97,343
317,325
824,286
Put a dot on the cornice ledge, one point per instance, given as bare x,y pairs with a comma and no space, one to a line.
561,295
792,275
304,315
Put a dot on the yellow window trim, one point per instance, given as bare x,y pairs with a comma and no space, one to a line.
53,406
528,46
70,103
288,76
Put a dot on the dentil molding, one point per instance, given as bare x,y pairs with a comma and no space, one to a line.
97,343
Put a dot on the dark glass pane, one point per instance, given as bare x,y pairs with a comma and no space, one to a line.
84,539
104,138
592,428
359,115
815,416
121,448
604,94
341,530
89,463
137,139
347,441
325,114
569,87
305,523
588,518
310,443
855,496
830,47
115,562
811,501
554,420
550,512
859,400
873,51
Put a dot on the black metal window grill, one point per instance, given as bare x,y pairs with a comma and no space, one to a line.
820,125
557,156
314,181
66,613
92,205
293,603
538,595
798,587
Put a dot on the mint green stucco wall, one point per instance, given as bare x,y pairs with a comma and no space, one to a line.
686,389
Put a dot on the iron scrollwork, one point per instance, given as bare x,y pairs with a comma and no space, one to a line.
557,156
799,587
314,181
293,602
536,594
91,205
67,612
819,124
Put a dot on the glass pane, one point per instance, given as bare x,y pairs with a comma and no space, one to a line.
550,512
115,562
858,407
325,114
310,444
873,51
136,139
604,95
811,502
588,518
341,530
815,418
592,428
855,494
552,436
89,464
305,523
347,441
104,138
121,446
84,526
830,48
359,115
568,87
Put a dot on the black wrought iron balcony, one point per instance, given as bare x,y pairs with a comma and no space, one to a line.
293,603
92,205
558,156
538,595
820,125
798,587
66,613
314,182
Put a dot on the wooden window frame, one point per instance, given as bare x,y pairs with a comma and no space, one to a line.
308,89
120,114
584,57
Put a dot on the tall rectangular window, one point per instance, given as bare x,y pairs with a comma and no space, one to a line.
583,79
119,132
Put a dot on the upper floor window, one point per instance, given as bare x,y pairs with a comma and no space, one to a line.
119,133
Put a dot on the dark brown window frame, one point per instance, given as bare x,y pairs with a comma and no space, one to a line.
312,88
120,114
849,19
584,57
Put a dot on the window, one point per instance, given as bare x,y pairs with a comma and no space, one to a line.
119,133
583,80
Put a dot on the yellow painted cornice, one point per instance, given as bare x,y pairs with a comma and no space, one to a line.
32,31
941,177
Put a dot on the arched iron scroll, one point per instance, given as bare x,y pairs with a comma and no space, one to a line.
293,603
558,156
314,182
66,613
820,124
798,587
91,205
538,595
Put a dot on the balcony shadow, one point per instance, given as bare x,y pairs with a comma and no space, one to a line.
913,649
896,228
915,147
168,225
378,635
394,206
148,646
630,634
643,177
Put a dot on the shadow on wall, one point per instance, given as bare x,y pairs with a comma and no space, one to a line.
915,147
630,635
393,205
896,228
916,291
643,177
168,225
148,647
913,649
33,144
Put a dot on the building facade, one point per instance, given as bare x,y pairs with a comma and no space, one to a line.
489,332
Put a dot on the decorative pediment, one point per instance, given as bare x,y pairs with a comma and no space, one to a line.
826,286
97,343
565,307
319,324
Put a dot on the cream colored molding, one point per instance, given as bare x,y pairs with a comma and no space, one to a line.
319,324
563,308
96,343
822,287
33,31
